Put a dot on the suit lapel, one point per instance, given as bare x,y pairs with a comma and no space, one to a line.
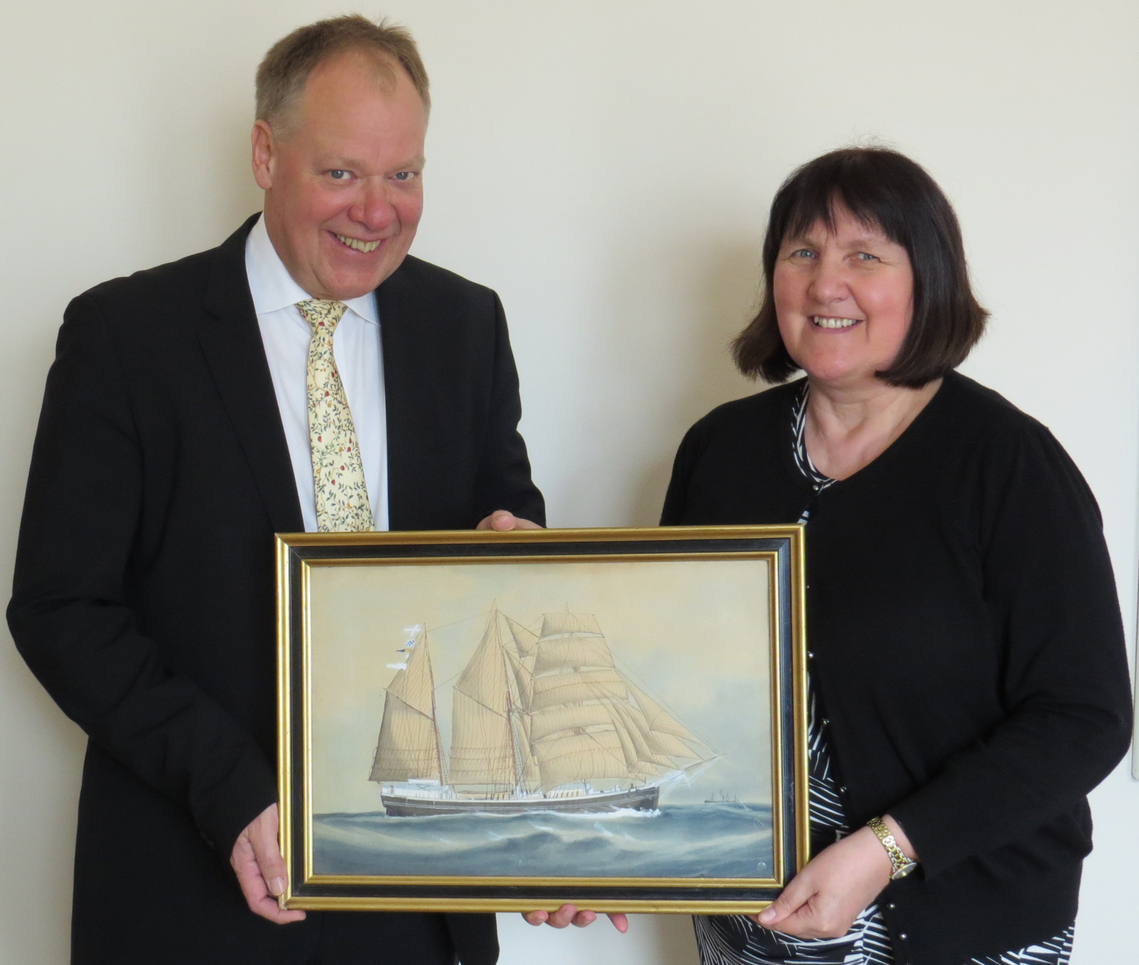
408,399
231,341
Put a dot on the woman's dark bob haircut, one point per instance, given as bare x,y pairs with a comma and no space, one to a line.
888,191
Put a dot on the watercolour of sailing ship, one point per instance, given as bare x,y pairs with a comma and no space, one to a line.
508,735
541,720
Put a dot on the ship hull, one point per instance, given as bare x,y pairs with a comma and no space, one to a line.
638,799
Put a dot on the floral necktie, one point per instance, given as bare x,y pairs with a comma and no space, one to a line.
337,471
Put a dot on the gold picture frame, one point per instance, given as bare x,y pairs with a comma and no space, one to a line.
611,717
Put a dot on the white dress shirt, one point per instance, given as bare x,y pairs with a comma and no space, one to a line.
356,345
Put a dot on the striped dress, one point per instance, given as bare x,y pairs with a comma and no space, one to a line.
736,940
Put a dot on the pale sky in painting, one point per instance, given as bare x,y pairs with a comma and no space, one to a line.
694,634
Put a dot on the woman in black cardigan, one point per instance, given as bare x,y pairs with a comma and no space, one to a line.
969,683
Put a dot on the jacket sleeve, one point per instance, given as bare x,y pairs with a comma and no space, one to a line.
503,477
75,612
1064,682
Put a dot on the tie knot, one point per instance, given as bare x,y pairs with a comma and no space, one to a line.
322,311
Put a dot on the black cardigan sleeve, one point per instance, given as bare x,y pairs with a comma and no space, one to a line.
1063,681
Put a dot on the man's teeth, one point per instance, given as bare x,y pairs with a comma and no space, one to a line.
833,322
364,246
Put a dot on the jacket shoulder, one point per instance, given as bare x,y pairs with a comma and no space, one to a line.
978,412
160,283
416,271
180,282
749,412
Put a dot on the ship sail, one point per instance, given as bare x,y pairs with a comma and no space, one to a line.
408,748
539,720
483,740
585,724
666,734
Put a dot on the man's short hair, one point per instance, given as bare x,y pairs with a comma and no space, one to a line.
887,191
283,73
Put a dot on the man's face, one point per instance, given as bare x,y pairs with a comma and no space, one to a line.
343,179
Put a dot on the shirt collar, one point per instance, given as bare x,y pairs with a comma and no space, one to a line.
273,288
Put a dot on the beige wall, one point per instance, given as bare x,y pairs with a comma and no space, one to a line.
606,166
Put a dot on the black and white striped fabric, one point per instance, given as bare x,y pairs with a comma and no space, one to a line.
818,481
736,940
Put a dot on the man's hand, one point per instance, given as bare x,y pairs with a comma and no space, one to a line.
260,869
502,521
824,899
569,915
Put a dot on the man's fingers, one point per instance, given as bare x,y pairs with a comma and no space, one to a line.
520,523
253,887
620,922
503,521
562,917
569,915
260,869
267,850
499,517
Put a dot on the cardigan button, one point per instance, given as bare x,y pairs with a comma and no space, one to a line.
891,906
810,654
903,936
826,722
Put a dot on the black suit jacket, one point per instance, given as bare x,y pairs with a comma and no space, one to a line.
144,588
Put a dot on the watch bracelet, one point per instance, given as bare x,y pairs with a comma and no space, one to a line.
898,858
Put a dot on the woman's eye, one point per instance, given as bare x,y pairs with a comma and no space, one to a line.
802,253
866,256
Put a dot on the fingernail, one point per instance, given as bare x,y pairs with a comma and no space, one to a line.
767,915
277,886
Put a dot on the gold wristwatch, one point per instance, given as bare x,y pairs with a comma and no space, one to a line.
900,865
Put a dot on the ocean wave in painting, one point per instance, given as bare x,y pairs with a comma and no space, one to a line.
714,840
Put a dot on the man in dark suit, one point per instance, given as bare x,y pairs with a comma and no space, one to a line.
176,437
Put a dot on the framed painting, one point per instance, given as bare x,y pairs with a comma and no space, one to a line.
475,721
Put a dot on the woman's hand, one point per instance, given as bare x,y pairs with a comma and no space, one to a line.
824,899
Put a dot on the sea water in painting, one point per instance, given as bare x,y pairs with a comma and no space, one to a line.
586,718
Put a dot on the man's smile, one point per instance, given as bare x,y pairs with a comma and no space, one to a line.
364,246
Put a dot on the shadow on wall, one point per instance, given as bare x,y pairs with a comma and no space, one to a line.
218,157
673,941
651,940
704,376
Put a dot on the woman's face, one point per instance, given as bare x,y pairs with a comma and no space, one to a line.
844,300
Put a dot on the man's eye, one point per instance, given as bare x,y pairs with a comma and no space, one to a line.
339,174
405,175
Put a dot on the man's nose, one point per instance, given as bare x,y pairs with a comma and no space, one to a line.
373,208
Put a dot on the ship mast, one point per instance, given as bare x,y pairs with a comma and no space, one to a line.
434,712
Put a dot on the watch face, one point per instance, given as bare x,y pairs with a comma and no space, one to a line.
903,870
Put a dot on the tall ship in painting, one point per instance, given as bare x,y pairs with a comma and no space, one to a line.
540,722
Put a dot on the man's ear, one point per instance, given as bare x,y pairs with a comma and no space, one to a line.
264,145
